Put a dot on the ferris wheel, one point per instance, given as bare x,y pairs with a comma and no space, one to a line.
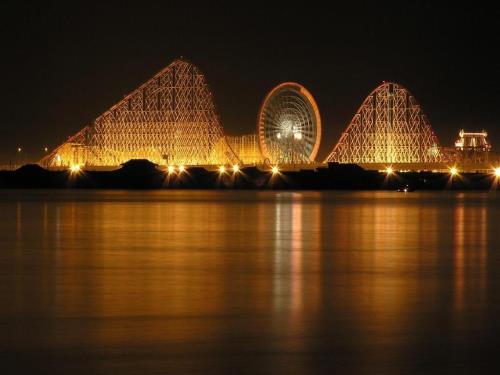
289,125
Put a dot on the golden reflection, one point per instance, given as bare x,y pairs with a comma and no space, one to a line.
395,234
181,260
382,245
459,255
297,263
470,254
296,247
176,268
483,251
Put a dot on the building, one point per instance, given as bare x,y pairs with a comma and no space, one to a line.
472,147
246,147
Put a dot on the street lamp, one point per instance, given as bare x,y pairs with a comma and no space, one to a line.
19,153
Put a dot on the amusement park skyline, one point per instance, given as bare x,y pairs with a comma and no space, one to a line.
251,187
70,64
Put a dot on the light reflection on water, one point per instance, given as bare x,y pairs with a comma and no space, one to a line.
248,282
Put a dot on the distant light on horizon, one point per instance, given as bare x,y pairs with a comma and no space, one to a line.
75,168
453,171
389,171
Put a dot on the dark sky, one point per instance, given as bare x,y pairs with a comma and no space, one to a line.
63,64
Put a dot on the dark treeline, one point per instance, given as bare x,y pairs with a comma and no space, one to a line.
141,174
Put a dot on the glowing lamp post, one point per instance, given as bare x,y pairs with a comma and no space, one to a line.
75,168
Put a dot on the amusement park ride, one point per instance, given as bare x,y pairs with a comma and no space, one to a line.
171,120
289,125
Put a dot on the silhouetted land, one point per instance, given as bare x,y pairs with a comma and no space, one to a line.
142,174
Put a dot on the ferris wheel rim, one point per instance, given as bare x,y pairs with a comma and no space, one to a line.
297,87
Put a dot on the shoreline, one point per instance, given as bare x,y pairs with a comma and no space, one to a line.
141,174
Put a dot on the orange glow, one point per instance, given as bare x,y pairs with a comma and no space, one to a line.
389,171
399,119
497,171
275,170
222,169
453,171
75,168
171,169
301,101
236,168
204,147
182,168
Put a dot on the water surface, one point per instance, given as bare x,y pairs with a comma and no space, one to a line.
247,282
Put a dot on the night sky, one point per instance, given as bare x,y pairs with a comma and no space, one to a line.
64,64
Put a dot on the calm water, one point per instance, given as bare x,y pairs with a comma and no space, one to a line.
230,282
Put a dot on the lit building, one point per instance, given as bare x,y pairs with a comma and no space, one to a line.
246,147
476,141
472,147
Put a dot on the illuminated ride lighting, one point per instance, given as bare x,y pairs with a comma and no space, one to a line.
75,168
404,119
289,125
236,168
182,168
171,169
275,170
497,172
389,171
222,169
453,171
110,132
